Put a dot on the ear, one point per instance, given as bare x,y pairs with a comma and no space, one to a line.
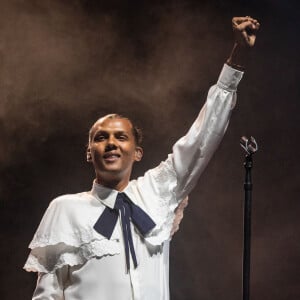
138,154
88,155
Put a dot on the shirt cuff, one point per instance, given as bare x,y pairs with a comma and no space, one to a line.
229,78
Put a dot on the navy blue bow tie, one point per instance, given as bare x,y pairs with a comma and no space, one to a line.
128,211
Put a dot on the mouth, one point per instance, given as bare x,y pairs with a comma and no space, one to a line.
111,156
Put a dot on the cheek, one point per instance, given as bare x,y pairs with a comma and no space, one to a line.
96,153
129,157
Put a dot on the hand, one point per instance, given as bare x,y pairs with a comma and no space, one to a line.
179,215
245,29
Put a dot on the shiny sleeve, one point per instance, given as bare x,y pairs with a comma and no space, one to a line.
193,151
50,286
174,178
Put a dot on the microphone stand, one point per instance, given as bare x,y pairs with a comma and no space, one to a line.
250,146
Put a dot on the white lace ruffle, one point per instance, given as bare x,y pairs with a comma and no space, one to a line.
49,257
66,235
75,237
163,211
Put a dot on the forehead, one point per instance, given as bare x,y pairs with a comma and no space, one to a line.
112,125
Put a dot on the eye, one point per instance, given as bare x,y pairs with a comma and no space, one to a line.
122,137
99,137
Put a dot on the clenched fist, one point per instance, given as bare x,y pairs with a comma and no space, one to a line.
245,29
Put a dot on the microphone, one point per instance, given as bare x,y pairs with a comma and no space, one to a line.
249,145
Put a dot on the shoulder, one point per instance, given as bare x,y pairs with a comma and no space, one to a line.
66,212
67,199
69,202
159,177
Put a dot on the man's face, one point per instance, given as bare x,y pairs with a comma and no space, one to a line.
112,149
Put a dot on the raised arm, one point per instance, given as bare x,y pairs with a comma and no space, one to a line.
193,151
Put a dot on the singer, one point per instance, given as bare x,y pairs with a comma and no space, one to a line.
112,242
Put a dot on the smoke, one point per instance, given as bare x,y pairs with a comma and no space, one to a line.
75,61
63,64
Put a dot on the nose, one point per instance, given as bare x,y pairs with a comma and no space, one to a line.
111,144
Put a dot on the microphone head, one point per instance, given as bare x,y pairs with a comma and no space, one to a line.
250,146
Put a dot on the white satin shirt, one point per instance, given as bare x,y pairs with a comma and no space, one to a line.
74,262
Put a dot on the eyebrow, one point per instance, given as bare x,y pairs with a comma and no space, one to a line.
118,132
106,131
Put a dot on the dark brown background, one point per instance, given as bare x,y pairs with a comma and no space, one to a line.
65,63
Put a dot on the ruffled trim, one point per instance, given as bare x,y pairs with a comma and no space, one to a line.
47,258
66,237
74,237
163,212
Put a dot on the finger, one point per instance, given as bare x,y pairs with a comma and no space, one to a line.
236,23
256,23
243,26
245,36
239,20
249,39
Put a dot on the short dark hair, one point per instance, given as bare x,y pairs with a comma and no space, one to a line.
137,132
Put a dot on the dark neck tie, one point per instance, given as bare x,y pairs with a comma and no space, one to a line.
128,211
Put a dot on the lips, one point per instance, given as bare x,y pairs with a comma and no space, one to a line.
111,156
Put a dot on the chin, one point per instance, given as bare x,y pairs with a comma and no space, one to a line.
111,169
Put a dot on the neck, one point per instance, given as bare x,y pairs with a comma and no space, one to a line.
113,183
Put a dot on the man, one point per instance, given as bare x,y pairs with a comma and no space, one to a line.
112,242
